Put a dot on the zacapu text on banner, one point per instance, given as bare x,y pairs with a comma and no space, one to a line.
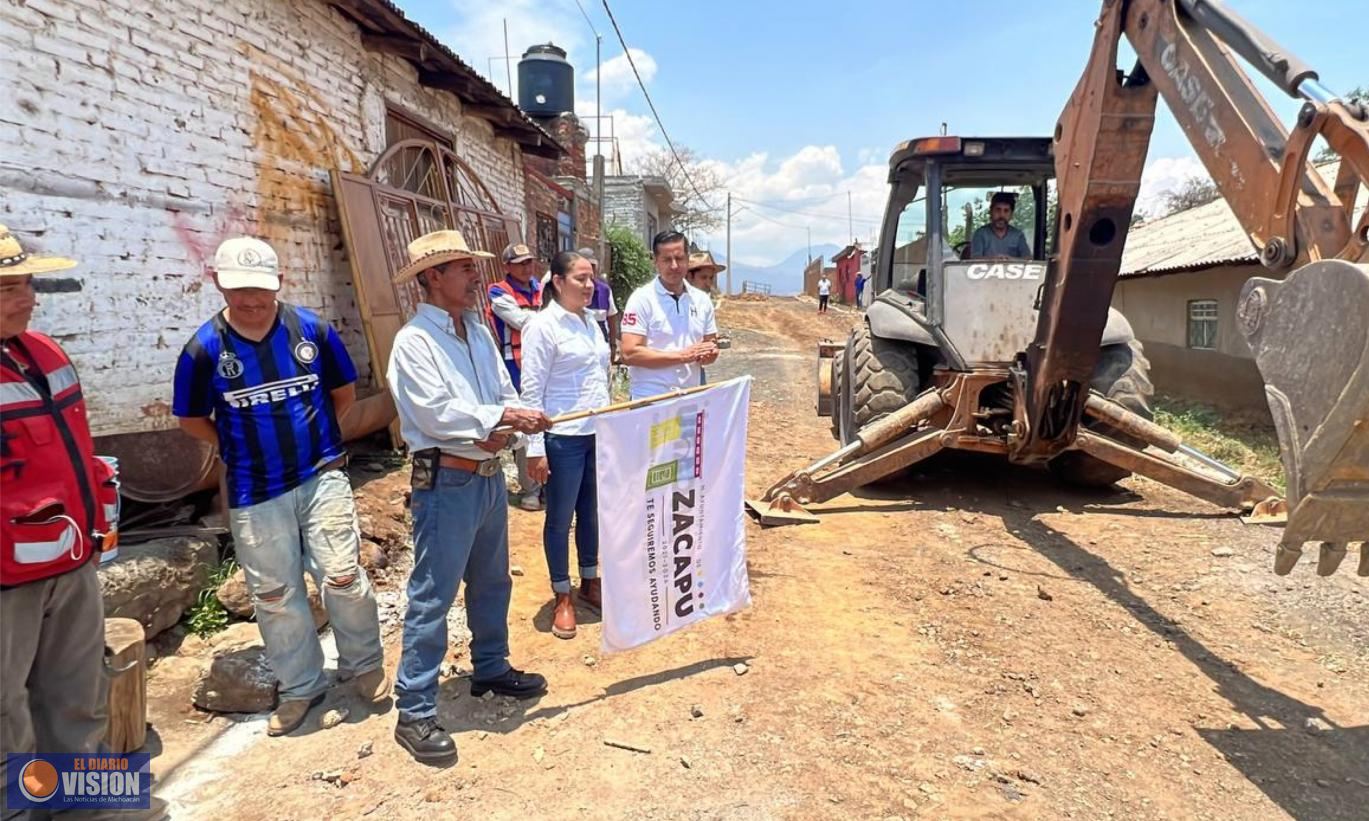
672,537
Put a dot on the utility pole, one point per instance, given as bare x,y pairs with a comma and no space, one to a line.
729,243
508,71
850,226
599,150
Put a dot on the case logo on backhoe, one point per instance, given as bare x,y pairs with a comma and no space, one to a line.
1006,270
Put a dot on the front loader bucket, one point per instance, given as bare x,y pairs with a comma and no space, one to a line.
1310,337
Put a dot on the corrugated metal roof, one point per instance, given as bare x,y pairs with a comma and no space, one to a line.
1197,238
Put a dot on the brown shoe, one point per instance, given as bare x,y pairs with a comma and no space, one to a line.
592,592
290,714
563,618
373,685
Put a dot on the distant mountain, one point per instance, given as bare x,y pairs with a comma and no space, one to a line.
784,278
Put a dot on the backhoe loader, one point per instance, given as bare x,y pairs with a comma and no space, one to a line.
1025,357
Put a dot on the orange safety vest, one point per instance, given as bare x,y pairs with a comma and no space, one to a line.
56,498
510,338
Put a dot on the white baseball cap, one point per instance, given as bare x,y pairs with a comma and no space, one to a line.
247,262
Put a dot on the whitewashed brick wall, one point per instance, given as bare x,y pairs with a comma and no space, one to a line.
135,135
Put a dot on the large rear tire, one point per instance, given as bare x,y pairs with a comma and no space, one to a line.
1122,375
883,377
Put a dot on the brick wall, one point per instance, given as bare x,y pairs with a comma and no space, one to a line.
138,134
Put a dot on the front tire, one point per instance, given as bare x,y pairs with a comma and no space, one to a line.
1122,375
879,377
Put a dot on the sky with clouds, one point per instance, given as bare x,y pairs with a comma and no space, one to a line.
799,102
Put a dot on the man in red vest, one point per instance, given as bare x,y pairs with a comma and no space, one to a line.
514,301
53,523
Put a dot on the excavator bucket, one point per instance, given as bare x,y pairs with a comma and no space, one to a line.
1310,337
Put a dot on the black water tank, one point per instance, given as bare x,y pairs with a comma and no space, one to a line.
546,82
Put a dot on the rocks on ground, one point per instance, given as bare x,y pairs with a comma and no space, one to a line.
239,679
157,581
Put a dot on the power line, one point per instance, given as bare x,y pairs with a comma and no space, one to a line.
808,213
628,53
587,20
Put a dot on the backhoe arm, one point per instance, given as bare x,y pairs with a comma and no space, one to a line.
1309,330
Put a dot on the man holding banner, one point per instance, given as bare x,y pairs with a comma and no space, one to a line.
668,329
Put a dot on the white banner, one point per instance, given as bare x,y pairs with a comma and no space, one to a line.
672,537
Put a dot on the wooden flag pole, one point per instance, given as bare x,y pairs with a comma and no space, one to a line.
617,406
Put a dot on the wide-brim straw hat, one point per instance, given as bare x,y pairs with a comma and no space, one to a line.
15,262
436,249
703,260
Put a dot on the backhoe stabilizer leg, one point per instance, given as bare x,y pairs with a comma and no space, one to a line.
807,489
872,438
1241,494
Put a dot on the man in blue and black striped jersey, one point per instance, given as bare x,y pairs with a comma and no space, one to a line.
266,383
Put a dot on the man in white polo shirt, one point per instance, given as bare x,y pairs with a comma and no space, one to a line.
668,329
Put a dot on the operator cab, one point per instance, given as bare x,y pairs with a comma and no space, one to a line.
942,194
975,295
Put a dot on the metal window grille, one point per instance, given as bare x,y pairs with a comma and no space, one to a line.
1202,324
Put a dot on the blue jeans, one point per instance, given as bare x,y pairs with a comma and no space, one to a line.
460,532
571,489
316,521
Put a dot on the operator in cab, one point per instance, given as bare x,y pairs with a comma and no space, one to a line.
999,239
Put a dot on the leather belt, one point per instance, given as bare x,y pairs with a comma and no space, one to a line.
485,467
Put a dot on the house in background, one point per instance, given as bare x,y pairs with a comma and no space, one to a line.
848,263
1180,284
640,203
337,130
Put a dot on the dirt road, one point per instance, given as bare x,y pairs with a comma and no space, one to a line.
973,642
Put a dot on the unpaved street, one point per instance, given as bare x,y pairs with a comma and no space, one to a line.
971,642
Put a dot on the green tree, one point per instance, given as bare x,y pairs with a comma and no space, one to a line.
1194,192
630,265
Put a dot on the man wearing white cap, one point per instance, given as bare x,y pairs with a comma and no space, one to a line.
52,524
457,410
266,382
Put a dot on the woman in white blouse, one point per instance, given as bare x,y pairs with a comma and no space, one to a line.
565,369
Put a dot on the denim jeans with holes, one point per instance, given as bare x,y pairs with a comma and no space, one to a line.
312,527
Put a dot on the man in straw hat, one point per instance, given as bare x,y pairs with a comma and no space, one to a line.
457,410
52,523
703,271
266,382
